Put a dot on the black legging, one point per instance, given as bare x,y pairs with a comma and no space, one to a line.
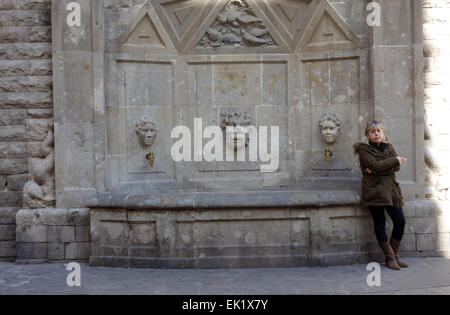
379,221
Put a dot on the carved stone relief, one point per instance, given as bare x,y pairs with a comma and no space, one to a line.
181,18
330,128
146,131
39,192
237,26
239,120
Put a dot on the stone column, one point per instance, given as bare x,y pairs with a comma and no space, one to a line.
397,86
73,61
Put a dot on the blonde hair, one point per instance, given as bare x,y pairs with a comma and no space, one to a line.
376,124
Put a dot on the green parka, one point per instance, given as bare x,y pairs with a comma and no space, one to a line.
379,188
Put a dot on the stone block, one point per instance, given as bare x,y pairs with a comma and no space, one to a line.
16,182
433,242
430,208
428,225
28,217
26,51
7,248
408,242
7,232
78,250
57,216
78,217
37,129
13,166
61,234
31,251
31,234
26,100
16,150
11,198
25,5
82,233
26,84
12,116
26,67
8,215
2,183
12,133
56,251
34,149
40,113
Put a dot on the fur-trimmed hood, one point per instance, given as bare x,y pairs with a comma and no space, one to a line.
357,146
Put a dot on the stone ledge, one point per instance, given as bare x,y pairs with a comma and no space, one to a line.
214,200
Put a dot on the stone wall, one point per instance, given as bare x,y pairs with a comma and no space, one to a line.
436,16
259,237
25,102
52,235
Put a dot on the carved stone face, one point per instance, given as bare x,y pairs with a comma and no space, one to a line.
237,136
235,123
146,131
330,131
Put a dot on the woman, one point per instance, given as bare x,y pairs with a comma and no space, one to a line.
381,191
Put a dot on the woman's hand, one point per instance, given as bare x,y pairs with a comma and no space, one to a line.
369,171
402,160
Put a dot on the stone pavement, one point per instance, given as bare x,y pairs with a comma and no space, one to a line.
425,276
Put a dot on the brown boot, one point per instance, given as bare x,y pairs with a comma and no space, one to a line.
391,262
396,248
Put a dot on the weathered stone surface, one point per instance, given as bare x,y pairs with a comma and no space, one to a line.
79,217
433,242
13,166
40,113
83,233
12,133
12,117
57,217
26,100
26,67
61,234
30,34
24,18
25,51
16,182
27,217
26,84
2,183
11,198
32,251
7,249
37,129
8,215
7,232
77,250
56,251
34,149
25,5
31,233
15,150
